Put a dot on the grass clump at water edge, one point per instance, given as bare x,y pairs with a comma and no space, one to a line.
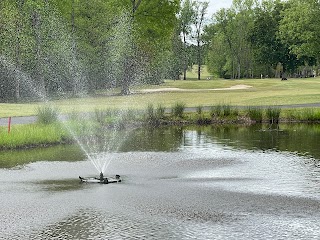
273,114
178,109
29,135
255,114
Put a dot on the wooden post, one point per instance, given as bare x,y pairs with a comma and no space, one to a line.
9,125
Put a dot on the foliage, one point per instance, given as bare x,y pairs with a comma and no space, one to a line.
267,38
178,109
154,115
222,110
199,110
33,135
273,114
216,111
299,28
47,114
268,48
232,27
255,114
59,47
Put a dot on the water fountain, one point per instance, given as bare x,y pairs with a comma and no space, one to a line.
97,142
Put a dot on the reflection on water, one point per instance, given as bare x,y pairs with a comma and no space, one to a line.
10,159
226,182
59,185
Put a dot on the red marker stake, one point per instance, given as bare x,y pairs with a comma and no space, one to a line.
9,125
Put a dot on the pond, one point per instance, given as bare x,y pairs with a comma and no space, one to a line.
217,182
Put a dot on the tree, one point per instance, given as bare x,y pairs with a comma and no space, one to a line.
200,12
69,46
269,50
186,18
300,28
232,27
149,33
218,57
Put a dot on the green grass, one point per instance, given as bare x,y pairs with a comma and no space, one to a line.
32,134
192,74
268,92
47,114
178,109
255,114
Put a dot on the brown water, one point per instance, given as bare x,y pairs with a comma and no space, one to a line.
178,183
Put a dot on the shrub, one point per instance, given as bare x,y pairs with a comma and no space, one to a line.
160,111
255,114
100,116
178,109
273,114
226,110
47,114
216,111
153,115
199,110
310,114
150,112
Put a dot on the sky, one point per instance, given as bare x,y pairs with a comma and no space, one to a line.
215,5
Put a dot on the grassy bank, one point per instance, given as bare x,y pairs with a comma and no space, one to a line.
47,133
215,101
30,135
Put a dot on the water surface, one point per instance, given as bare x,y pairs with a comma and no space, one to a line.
178,183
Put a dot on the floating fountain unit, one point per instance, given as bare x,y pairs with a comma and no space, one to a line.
101,179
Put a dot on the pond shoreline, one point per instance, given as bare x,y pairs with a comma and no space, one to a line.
102,120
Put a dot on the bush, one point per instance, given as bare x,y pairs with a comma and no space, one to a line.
310,114
100,116
178,109
273,114
216,111
200,110
255,114
153,115
226,110
47,114
160,111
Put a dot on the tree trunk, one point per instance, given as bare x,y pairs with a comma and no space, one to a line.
199,60
185,62
36,22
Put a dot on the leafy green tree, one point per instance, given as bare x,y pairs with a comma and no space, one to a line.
300,28
199,18
186,18
235,25
269,50
75,46
151,25
218,57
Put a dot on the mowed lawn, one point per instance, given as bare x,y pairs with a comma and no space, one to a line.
193,93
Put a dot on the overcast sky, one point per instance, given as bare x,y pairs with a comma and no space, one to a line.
215,5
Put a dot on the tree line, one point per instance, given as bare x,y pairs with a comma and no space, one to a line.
75,47
264,38
52,47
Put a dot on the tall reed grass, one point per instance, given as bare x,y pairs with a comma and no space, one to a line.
154,115
47,114
178,109
255,114
223,110
273,114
